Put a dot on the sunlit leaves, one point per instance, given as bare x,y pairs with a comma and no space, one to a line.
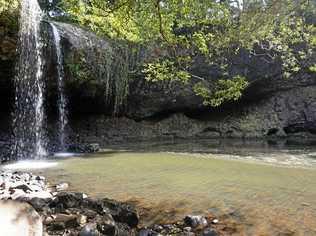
225,90
163,71
276,31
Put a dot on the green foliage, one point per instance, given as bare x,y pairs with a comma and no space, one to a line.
165,70
8,28
272,30
225,90
8,6
9,16
112,76
312,68
78,68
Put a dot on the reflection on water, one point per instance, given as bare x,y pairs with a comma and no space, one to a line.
267,199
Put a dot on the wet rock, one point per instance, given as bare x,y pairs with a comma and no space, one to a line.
23,187
39,203
210,232
17,194
82,220
89,230
61,221
122,212
95,205
195,221
106,225
66,200
92,147
62,187
157,228
145,232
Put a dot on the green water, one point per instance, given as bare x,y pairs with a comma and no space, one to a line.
266,199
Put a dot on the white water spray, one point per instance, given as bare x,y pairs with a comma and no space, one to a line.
28,123
62,100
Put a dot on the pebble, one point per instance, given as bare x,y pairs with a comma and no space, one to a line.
210,232
18,185
215,221
62,187
187,229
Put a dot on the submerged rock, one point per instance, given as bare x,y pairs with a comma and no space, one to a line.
72,213
195,221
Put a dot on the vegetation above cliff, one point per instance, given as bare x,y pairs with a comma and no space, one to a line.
8,28
275,31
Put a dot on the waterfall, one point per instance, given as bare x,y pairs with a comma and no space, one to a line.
29,119
62,101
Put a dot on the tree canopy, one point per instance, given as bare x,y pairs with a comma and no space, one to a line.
272,29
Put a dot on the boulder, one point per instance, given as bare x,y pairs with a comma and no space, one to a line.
122,212
106,225
64,200
19,219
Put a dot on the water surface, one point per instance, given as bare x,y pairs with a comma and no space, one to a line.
268,197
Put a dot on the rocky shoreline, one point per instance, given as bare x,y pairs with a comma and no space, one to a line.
60,212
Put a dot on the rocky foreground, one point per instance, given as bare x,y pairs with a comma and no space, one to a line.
34,204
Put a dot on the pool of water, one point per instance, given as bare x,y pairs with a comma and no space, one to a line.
266,191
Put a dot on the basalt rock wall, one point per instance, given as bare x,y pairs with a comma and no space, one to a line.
271,105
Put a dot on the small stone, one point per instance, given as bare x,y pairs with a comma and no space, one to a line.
195,221
67,220
187,229
145,232
62,187
157,228
18,193
210,232
89,230
188,234
40,178
215,221
106,225
42,194
82,220
23,187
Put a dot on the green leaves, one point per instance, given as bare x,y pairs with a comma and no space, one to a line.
225,90
276,31
164,71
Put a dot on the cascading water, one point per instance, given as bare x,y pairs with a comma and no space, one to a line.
62,100
28,123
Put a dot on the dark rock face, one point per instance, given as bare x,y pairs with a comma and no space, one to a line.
286,114
271,106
